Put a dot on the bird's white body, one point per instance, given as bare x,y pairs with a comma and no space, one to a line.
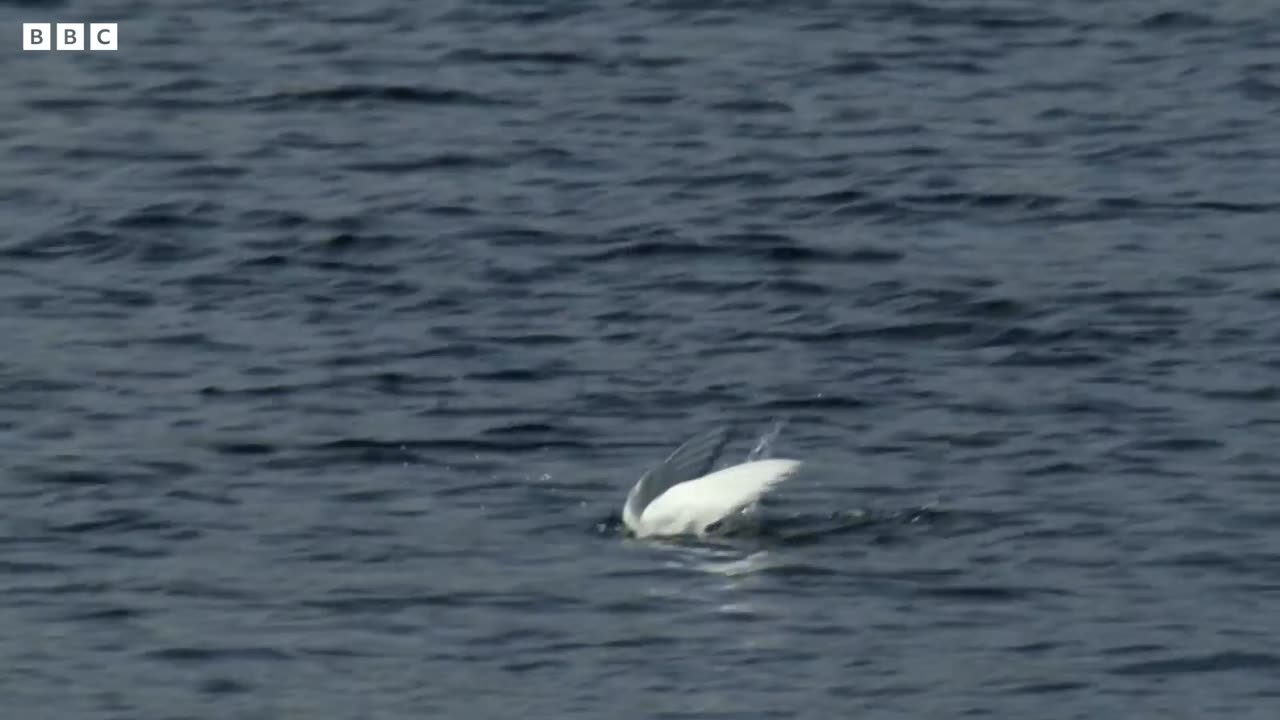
696,506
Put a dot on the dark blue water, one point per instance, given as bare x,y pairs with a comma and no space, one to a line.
332,335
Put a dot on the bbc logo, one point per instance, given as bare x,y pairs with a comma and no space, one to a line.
68,36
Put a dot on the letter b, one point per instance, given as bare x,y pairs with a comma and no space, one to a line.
37,36
70,36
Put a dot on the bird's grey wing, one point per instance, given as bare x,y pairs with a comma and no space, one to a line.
691,460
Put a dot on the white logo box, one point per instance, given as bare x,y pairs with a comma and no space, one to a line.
69,36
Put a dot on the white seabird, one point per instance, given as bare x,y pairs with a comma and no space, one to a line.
679,497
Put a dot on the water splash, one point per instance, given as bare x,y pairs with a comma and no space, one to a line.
764,446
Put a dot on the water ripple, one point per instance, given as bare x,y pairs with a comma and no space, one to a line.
335,334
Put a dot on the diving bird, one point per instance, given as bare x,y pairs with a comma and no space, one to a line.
679,497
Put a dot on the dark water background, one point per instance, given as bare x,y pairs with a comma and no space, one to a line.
332,335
